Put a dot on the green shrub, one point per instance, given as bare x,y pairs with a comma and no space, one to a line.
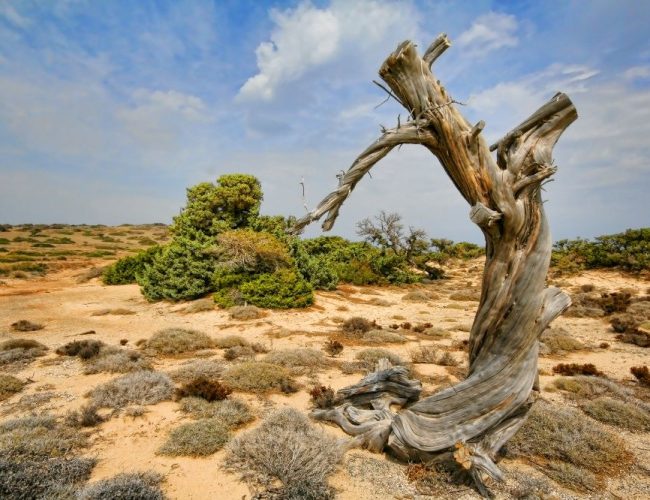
182,270
197,368
283,289
248,251
126,269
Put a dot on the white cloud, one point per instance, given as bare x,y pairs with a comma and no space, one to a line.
490,32
12,15
307,37
637,73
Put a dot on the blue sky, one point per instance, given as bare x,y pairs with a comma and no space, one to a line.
108,110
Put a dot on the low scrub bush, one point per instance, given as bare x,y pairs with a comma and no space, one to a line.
571,369
172,341
204,388
126,269
563,434
231,341
424,354
419,296
357,325
133,485
137,388
259,376
576,478
198,306
26,326
56,478
38,438
466,296
296,359
232,412
333,347
383,337
10,385
191,370
286,448
84,349
86,416
115,360
322,397
244,313
196,439
239,352
642,374
586,387
559,341
119,311
370,357
16,353
618,413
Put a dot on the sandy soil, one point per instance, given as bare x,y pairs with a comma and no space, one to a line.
124,443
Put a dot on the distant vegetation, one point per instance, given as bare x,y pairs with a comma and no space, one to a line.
629,251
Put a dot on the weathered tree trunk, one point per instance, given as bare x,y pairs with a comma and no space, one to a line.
473,419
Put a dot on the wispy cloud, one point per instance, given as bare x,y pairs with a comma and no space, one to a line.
489,32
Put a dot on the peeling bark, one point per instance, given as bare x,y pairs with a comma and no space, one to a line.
470,421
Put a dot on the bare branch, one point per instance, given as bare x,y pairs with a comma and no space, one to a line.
436,49
414,132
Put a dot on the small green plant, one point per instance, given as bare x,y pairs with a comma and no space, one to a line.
126,269
281,290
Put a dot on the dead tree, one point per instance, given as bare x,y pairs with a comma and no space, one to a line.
468,422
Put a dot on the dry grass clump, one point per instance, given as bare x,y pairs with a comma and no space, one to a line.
642,374
24,325
333,347
436,333
322,397
38,438
16,353
584,387
239,352
370,357
577,478
244,313
139,388
9,386
232,412
231,341
571,369
618,413
171,341
259,376
429,354
204,388
85,349
297,360
201,305
383,337
119,311
419,296
196,439
466,296
132,486
357,325
191,370
114,360
563,434
87,416
56,478
559,341
288,449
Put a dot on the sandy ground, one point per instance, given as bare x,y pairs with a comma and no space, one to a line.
126,444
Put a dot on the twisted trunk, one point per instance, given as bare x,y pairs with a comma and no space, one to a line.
473,419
